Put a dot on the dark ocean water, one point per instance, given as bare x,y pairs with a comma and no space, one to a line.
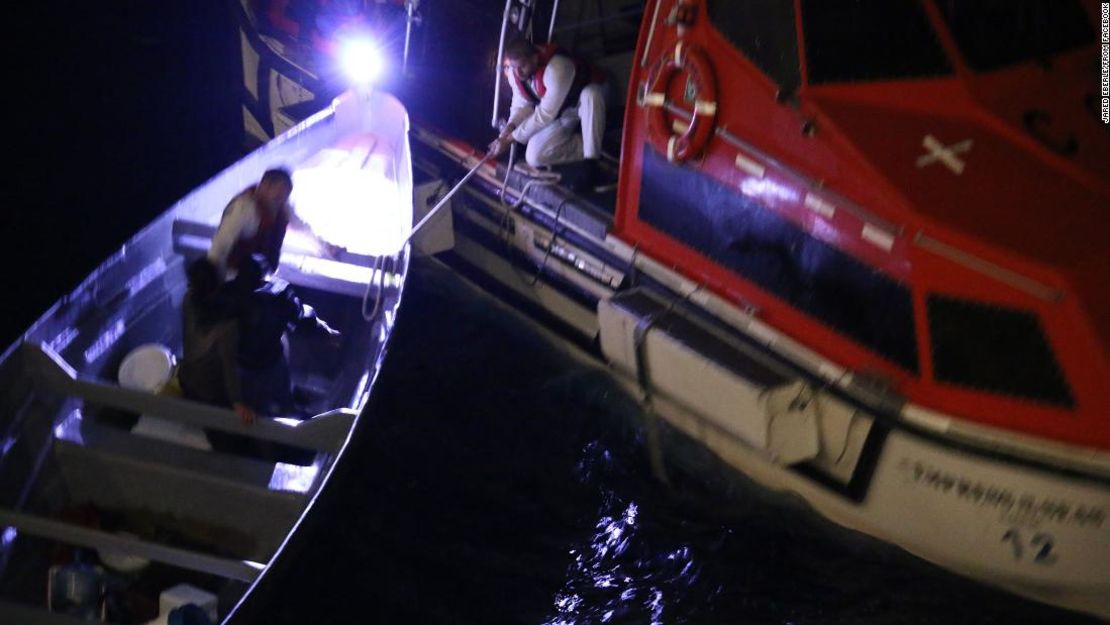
497,479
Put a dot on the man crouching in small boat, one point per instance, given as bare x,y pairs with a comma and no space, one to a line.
255,222
266,310
209,370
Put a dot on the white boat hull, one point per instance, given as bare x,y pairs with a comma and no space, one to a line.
1032,533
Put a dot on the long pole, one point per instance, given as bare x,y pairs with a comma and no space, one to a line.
379,265
443,201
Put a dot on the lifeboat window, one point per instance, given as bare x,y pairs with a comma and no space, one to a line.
765,32
745,236
995,349
868,40
996,33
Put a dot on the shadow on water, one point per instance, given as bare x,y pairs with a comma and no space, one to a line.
501,480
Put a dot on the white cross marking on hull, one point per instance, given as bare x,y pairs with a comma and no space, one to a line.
945,154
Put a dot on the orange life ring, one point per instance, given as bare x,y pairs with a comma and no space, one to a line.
688,58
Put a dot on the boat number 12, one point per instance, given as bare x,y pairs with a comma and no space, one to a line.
1036,547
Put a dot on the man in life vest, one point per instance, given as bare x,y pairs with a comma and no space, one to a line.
558,106
255,222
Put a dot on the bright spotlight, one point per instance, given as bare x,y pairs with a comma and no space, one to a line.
361,61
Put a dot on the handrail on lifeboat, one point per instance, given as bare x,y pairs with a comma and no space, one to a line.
554,14
952,253
801,178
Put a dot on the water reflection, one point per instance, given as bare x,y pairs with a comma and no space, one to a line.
622,572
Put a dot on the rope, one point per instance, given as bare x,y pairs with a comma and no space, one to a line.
443,200
643,377
550,245
377,274
508,174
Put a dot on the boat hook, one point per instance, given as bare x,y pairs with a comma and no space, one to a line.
377,277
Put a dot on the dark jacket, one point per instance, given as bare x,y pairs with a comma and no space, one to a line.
265,314
208,370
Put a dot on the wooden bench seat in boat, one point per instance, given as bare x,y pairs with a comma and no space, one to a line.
118,470
124,472
73,534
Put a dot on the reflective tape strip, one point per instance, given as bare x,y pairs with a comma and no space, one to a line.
820,206
679,127
746,164
701,107
655,99
671,148
877,237
678,54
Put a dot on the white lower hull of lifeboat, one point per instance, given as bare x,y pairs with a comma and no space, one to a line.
1032,533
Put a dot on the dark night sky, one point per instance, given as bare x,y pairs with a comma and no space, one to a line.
117,109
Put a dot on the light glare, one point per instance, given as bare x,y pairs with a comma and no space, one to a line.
361,61
359,209
292,477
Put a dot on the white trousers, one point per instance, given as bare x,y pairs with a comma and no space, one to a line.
574,135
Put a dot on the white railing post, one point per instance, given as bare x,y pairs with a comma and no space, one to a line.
500,60
554,14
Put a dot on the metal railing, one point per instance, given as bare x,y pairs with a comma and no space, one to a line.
520,14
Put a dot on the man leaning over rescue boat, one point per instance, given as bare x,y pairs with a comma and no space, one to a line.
255,222
558,106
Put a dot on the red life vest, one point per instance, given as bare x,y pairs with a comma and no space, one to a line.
267,240
584,74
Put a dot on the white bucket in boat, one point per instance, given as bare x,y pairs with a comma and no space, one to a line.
185,594
122,561
149,368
